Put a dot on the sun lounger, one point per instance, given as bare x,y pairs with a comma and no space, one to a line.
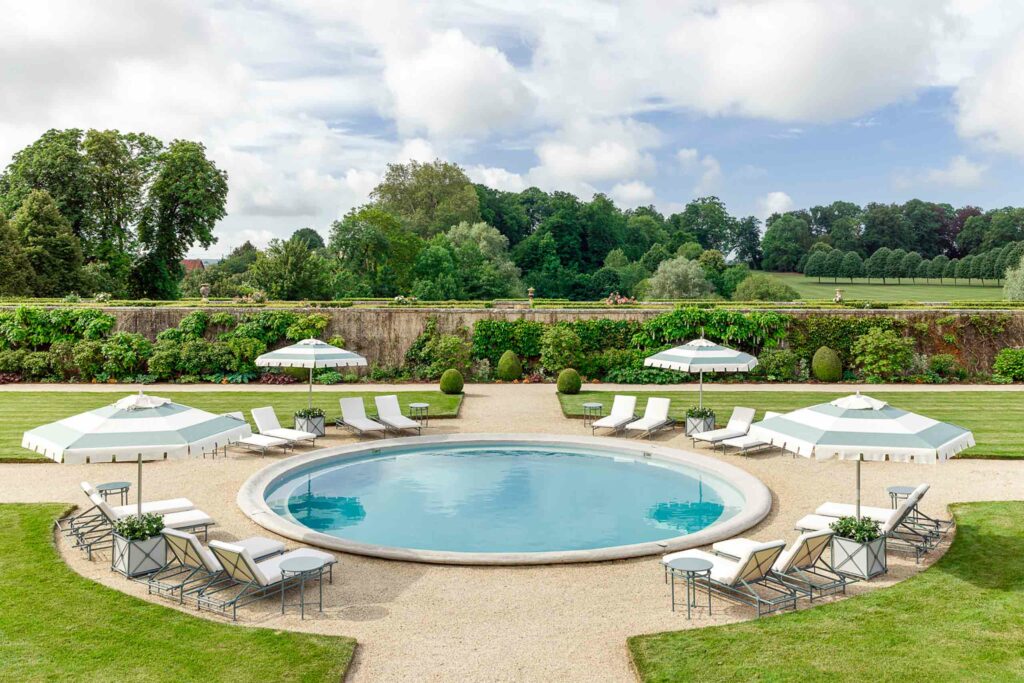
655,418
745,579
353,416
251,580
92,516
800,567
898,532
191,567
622,413
99,534
258,442
268,424
747,443
389,412
739,425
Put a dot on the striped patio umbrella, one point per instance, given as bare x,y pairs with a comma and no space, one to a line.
862,428
700,356
312,354
135,429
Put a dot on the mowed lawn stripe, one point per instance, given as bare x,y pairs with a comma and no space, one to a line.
23,410
991,415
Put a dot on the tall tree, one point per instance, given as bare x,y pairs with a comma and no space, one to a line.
16,272
289,270
709,221
746,241
605,228
54,252
504,211
311,237
822,218
884,226
877,265
429,197
844,234
376,250
186,200
785,241
927,221
852,266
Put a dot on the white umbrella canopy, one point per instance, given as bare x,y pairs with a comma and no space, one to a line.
312,354
700,356
860,428
134,429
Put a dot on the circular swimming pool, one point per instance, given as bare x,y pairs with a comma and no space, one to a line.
495,499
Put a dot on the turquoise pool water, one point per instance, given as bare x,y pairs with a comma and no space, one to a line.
502,498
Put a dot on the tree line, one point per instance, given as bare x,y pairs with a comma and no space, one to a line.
108,212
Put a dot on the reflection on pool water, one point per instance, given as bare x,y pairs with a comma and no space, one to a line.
502,498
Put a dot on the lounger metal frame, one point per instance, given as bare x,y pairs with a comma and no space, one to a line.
816,581
341,424
781,596
669,423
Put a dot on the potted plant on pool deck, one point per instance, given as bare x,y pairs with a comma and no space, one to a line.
138,546
699,419
858,548
311,420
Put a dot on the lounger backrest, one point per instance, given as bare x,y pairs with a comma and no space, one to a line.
758,561
238,563
89,488
265,419
624,406
904,509
741,419
353,408
805,552
387,406
102,506
657,408
186,550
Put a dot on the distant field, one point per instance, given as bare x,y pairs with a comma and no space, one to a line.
922,290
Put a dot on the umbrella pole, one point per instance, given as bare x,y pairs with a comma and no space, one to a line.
700,391
138,490
860,459
310,387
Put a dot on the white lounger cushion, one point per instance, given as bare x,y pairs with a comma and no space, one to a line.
755,562
186,519
814,523
723,569
290,434
803,552
655,415
195,552
389,412
157,507
612,421
271,568
268,424
263,441
739,424
718,434
881,515
353,413
744,442
623,410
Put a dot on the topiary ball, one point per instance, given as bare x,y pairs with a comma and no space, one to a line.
569,382
451,382
826,365
509,367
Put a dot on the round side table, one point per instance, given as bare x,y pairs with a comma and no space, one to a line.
420,412
115,488
690,569
303,569
592,411
898,494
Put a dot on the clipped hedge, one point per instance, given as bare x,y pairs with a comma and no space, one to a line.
451,382
510,368
569,382
826,365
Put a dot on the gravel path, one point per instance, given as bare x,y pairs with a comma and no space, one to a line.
419,622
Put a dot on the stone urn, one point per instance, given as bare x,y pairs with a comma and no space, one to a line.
204,291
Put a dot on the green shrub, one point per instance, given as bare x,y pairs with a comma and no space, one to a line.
194,357
451,382
307,327
11,361
125,353
1009,364
559,348
328,377
36,365
448,351
194,324
883,355
88,357
946,365
826,366
777,365
62,359
337,340
509,367
163,364
838,332
491,338
244,351
569,381
761,287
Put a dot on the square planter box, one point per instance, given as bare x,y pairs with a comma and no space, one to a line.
859,560
136,558
697,425
313,425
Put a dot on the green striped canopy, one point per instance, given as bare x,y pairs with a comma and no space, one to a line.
701,355
859,427
310,353
136,427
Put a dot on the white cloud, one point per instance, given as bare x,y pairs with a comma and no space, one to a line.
706,168
960,172
991,103
498,178
592,151
416,149
632,194
773,202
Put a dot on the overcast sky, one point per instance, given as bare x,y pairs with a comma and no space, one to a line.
769,104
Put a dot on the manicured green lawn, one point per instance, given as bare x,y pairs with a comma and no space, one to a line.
907,290
989,414
21,411
960,620
57,626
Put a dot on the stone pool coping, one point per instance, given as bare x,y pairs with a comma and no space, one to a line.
758,499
